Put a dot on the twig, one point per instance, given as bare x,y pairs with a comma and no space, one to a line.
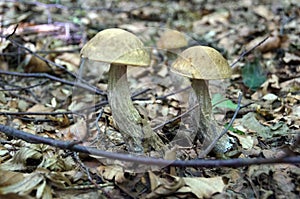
99,137
247,52
18,88
40,113
49,62
214,142
173,93
175,118
33,101
85,169
11,34
140,93
51,77
76,50
238,162
163,97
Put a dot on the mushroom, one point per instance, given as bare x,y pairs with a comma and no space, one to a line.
171,39
200,64
120,48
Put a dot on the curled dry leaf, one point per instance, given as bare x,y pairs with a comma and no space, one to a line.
200,187
246,141
264,12
19,161
26,184
203,187
76,131
164,186
289,57
112,173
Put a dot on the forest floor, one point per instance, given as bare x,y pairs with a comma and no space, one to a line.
46,90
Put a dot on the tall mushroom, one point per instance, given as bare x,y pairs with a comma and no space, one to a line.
200,64
120,48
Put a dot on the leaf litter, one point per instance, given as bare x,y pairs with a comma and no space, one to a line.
268,78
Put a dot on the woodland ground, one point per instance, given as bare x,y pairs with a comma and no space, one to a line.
267,125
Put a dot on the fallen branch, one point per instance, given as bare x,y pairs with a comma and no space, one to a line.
239,162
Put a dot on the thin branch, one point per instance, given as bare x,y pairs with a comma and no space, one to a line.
51,77
214,142
140,92
75,50
175,118
33,101
248,51
49,62
239,162
173,93
18,88
39,113
13,32
85,169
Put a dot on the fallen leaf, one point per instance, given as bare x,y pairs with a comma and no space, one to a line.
246,141
264,12
112,173
203,187
288,58
164,186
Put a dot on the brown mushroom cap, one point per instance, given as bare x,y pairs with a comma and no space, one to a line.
116,46
201,62
172,39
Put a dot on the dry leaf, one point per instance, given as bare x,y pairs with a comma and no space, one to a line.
246,141
203,187
289,57
112,173
164,186
76,131
264,12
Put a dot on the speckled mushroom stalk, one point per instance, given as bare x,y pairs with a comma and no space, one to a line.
207,126
124,113
200,64
120,48
126,116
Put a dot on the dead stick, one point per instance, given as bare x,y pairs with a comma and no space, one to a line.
238,162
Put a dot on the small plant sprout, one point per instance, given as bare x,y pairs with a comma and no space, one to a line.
200,64
120,48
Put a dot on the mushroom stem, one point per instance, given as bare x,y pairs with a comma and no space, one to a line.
207,127
133,127
123,111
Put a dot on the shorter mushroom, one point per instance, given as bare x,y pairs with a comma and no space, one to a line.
120,48
200,64
172,39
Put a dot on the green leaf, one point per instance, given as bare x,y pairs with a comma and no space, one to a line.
219,101
237,131
253,75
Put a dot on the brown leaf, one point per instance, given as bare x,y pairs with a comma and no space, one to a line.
203,187
164,186
272,43
112,173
